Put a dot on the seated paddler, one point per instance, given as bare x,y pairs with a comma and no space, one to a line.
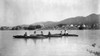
25,34
49,33
60,32
65,32
41,32
34,33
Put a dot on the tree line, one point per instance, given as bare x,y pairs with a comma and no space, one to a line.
30,27
59,26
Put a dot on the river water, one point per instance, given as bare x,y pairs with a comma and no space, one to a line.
65,46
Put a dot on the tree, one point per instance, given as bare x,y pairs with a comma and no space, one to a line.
31,27
38,26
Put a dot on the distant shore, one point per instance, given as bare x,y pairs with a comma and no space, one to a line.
63,27
90,22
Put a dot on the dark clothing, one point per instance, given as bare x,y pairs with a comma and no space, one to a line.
34,32
61,33
25,34
41,32
49,33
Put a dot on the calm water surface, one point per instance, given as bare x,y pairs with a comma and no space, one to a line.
65,46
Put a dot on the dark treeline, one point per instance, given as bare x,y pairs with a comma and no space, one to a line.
30,27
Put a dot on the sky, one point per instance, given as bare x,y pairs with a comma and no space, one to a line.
17,12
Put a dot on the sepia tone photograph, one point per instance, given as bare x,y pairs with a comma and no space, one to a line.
49,27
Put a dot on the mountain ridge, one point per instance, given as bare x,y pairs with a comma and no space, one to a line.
90,19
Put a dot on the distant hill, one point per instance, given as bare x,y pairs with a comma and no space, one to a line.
46,24
90,19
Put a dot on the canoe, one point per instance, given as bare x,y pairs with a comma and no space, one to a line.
60,35
69,35
53,35
19,36
33,37
43,36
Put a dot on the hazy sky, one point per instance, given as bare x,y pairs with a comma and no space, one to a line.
15,12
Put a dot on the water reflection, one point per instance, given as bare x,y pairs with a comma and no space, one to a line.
36,39
65,46
49,39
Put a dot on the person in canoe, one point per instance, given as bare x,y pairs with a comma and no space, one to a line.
65,32
49,33
25,34
60,32
41,32
34,33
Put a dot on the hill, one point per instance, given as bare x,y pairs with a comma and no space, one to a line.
91,21
88,20
45,24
